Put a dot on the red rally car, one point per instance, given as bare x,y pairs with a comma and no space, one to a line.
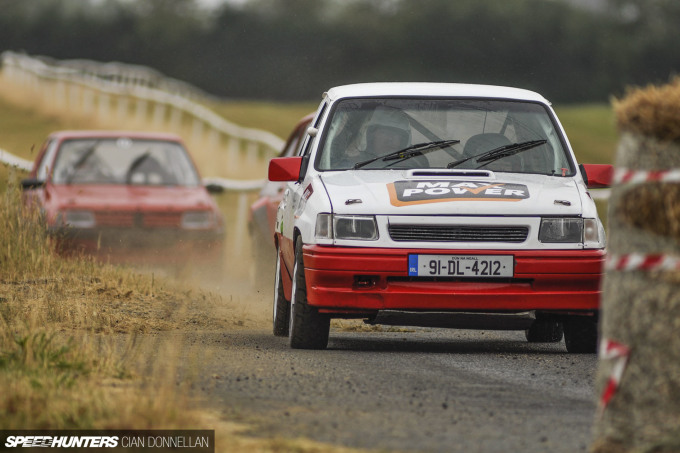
125,197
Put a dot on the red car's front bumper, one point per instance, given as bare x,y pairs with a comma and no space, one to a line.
347,280
141,246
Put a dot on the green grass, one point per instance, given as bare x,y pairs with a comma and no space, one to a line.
23,130
277,118
591,131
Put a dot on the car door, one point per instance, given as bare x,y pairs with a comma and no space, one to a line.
292,196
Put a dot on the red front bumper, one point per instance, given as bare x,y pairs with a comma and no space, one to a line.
142,246
345,279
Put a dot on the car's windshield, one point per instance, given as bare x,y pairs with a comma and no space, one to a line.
360,131
123,161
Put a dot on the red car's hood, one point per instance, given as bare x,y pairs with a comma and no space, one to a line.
119,197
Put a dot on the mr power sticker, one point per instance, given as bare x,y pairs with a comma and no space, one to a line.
403,193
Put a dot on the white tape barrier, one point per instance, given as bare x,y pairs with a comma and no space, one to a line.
642,262
618,354
227,184
233,184
14,161
627,176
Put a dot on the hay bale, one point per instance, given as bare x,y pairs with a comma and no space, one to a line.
652,111
641,308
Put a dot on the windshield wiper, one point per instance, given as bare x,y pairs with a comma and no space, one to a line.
411,151
81,160
499,153
138,161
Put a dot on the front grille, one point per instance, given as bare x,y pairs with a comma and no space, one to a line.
458,233
115,218
138,219
163,220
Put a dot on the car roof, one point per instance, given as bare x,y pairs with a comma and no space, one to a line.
69,134
427,89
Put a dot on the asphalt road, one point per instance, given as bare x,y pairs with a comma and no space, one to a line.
425,390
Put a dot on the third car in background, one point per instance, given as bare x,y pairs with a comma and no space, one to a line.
262,214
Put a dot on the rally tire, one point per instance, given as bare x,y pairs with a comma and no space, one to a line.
580,334
281,315
544,331
309,329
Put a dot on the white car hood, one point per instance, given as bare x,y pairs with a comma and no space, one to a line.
408,192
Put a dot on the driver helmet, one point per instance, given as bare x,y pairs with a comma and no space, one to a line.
392,120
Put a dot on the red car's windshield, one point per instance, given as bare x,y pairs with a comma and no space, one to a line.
123,161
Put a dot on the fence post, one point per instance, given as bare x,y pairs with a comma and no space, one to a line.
122,108
197,131
104,107
241,223
158,115
175,119
251,155
88,102
73,96
140,110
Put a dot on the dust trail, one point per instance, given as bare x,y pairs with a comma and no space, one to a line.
238,279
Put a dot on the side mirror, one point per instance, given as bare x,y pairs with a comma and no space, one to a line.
214,189
285,168
597,176
32,183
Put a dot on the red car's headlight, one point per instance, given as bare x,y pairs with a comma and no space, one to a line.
198,220
79,219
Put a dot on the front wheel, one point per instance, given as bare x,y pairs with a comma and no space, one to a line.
281,317
309,329
580,334
544,331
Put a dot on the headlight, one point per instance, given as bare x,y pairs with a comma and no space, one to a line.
352,227
79,219
323,229
593,234
561,229
362,228
198,220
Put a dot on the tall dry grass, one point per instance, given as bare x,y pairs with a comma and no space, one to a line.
69,344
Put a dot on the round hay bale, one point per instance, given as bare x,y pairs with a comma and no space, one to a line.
641,306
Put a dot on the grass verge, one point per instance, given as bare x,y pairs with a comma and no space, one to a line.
61,356
591,130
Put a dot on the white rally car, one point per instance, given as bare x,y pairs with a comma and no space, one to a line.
444,205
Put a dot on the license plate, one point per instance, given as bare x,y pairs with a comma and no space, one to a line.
480,266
